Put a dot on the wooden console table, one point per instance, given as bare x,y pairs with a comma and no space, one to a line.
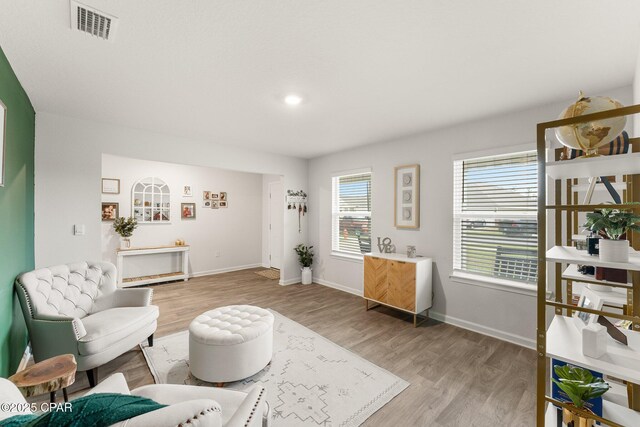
156,278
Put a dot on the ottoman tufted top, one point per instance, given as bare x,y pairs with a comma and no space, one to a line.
233,324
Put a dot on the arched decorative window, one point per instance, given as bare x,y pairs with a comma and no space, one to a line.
151,201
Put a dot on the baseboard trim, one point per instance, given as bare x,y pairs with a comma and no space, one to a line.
224,270
288,282
484,330
337,286
464,324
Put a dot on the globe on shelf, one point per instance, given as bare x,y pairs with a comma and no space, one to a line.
590,135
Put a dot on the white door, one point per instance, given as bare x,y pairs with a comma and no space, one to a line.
276,223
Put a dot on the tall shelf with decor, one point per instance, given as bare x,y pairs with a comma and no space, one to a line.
559,337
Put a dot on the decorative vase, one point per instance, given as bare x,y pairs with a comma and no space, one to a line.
574,420
614,250
125,243
306,276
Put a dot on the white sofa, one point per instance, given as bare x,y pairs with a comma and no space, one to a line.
78,309
188,405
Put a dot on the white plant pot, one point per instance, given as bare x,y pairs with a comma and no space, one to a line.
306,276
125,243
614,250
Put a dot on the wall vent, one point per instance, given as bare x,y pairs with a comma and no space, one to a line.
91,21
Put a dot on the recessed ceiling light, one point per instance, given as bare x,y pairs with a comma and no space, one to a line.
293,100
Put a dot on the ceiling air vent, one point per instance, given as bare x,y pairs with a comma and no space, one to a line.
92,21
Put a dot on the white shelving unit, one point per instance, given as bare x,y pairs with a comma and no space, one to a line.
564,342
572,273
560,338
595,166
611,411
571,255
618,186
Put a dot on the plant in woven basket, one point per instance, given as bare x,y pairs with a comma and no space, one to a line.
125,226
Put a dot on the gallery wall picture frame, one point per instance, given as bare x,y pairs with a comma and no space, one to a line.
215,196
110,211
188,211
223,205
206,204
187,191
223,196
3,140
110,186
206,195
215,204
407,196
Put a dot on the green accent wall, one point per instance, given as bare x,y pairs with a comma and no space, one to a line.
16,213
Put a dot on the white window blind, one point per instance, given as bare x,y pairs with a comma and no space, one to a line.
351,213
495,226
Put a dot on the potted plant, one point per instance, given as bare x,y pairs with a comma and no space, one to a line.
124,227
580,386
305,257
612,225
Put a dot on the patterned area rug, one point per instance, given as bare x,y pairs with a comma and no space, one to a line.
310,381
269,273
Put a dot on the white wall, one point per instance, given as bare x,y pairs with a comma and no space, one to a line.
505,314
68,170
220,239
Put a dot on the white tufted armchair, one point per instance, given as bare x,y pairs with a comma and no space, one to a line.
78,309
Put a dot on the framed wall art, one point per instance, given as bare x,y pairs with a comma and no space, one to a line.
188,211
110,211
407,197
187,191
3,139
110,186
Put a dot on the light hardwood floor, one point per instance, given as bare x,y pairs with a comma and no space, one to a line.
458,377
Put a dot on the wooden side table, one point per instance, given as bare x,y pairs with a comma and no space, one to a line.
47,376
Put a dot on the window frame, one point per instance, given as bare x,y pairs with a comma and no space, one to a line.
335,213
467,277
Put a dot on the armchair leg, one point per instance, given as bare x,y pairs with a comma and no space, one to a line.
150,340
92,375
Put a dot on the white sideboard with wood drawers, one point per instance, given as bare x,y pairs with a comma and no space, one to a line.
400,282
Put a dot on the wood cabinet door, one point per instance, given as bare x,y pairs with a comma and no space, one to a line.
402,285
375,278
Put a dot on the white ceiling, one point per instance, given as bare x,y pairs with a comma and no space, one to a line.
370,70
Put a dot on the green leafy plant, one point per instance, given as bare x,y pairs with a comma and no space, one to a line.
579,384
125,226
612,223
305,255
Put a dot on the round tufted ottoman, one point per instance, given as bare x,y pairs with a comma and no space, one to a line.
230,343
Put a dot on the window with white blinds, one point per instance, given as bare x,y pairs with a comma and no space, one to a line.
351,213
495,226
